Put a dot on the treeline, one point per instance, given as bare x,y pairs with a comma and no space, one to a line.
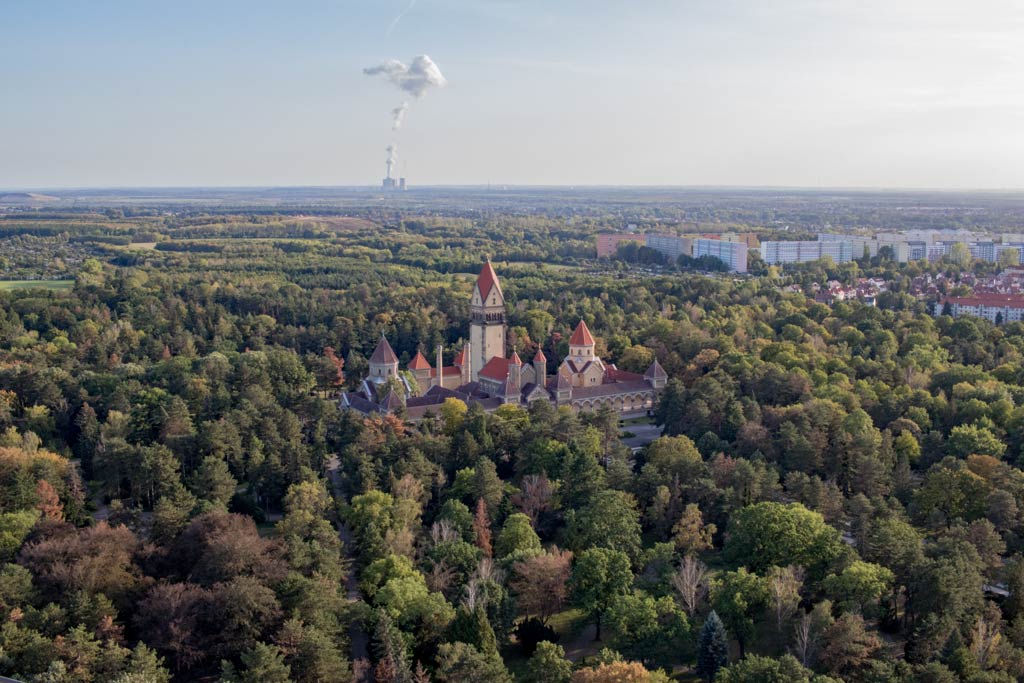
837,496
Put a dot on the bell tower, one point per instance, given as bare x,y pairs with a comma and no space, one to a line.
487,320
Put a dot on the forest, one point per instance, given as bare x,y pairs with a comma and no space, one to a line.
837,495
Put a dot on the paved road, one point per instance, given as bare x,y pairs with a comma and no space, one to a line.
644,434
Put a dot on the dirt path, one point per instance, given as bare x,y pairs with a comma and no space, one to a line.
582,644
357,636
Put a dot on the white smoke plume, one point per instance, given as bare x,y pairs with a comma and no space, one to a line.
392,151
415,79
398,115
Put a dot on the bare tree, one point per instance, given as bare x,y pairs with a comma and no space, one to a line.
805,642
534,496
809,630
443,531
690,580
784,588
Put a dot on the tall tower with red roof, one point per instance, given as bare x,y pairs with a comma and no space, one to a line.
487,320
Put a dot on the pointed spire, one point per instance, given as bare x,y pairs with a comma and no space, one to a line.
540,357
581,336
515,360
487,280
383,354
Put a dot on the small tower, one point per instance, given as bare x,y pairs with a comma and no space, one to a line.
563,387
656,375
487,326
515,370
540,367
581,345
420,368
383,362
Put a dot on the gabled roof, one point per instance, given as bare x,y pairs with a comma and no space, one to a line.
486,280
496,368
383,354
564,381
581,336
419,362
460,357
656,371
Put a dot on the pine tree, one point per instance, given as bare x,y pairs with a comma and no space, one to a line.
712,648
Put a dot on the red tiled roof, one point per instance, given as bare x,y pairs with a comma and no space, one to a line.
582,336
460,357
383,354
496,368
540,356
487,279
515,360
446,370
419,362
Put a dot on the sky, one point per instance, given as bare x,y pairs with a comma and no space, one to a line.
808,93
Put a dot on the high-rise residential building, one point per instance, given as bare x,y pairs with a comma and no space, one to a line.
608,243
733,254
672,246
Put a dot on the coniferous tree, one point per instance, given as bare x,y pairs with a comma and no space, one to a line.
712,647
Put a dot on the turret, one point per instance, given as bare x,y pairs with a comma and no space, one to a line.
515,370
540,367
383,362
581,344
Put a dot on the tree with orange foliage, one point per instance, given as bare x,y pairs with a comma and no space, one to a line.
49,502
482,527
618,672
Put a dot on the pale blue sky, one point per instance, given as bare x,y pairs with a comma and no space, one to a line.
898,93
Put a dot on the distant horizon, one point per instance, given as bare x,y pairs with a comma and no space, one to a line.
499,185
918,94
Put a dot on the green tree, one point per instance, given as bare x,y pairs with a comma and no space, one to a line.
650,630
598,577
712,648
967,440
609,520
459,662
517,537
757,669
859,584
740,599
549,665
767,534
262,664
213,481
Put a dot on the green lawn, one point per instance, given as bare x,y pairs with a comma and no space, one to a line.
55,285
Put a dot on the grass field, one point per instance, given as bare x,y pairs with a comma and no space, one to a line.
55,285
